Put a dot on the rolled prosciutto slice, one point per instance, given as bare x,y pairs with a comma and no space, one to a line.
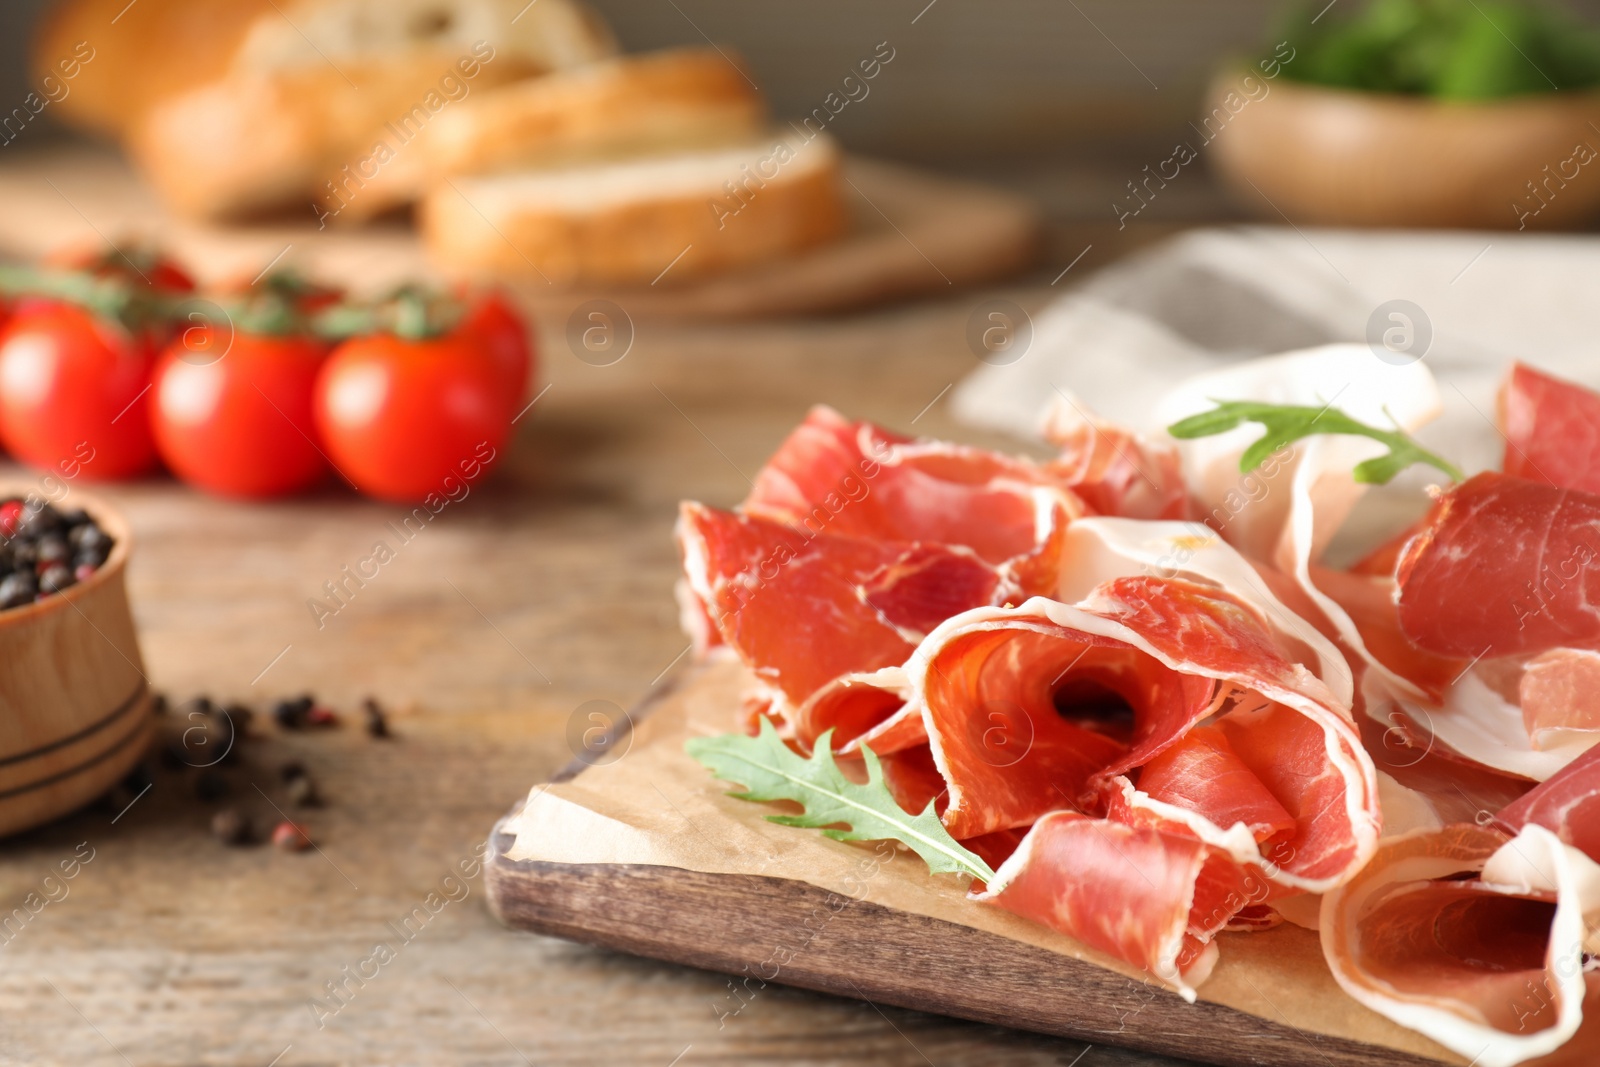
1474,938
1130,893
1159,718
1552,430
820,619
855,479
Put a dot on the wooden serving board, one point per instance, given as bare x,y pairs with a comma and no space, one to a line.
913,234
1271,1001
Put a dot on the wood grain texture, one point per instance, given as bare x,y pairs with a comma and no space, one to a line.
858,949
74,704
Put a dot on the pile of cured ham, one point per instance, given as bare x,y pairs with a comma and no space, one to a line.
1127,678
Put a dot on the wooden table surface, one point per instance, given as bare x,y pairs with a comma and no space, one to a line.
549,586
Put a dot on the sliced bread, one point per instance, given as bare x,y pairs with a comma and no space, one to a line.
630,105
289,112
656,219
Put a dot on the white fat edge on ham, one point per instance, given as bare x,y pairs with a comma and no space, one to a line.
1403,809
1534,861
1067,417
1292,529
1100,549
694,594
891,680
1184,983
1479,724
1236,840
1053,505
1310,698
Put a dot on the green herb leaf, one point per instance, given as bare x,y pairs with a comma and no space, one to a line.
770,770
1288,423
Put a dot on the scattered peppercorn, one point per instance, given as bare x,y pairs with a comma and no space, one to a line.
45,551
231,827
18,588
239,718
303,792
210,786
377,721
175,755
158,704
292,770
291,837
291,714
54,579
139,779
317,715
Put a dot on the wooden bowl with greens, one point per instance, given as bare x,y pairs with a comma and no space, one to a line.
1417,113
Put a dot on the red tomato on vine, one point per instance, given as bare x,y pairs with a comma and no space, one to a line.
232,411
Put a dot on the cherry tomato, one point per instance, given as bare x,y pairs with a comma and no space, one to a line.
232,411
139,264
72,392
504,332
403,420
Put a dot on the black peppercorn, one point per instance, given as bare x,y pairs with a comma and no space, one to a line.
303,792
53,549
18,589
55,578
38,520
377,721
210,786
291,714
231,827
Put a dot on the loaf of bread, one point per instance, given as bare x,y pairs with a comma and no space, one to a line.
142,53
528,146
630,105
309,83
657,219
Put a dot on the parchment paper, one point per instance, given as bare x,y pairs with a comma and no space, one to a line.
656,805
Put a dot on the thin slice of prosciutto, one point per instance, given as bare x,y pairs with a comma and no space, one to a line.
1477,939
1113,469
1552,429
858,480
1567,804
1503,566
819,619
1084,721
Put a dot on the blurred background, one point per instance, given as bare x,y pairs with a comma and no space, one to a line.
1009,89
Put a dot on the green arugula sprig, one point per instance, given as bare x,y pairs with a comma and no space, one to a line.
769,770
1287,423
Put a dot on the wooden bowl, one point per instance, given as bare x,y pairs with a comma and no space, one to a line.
74,701
1344,158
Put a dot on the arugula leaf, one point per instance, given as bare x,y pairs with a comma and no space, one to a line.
1446,49
770,770
1287,423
